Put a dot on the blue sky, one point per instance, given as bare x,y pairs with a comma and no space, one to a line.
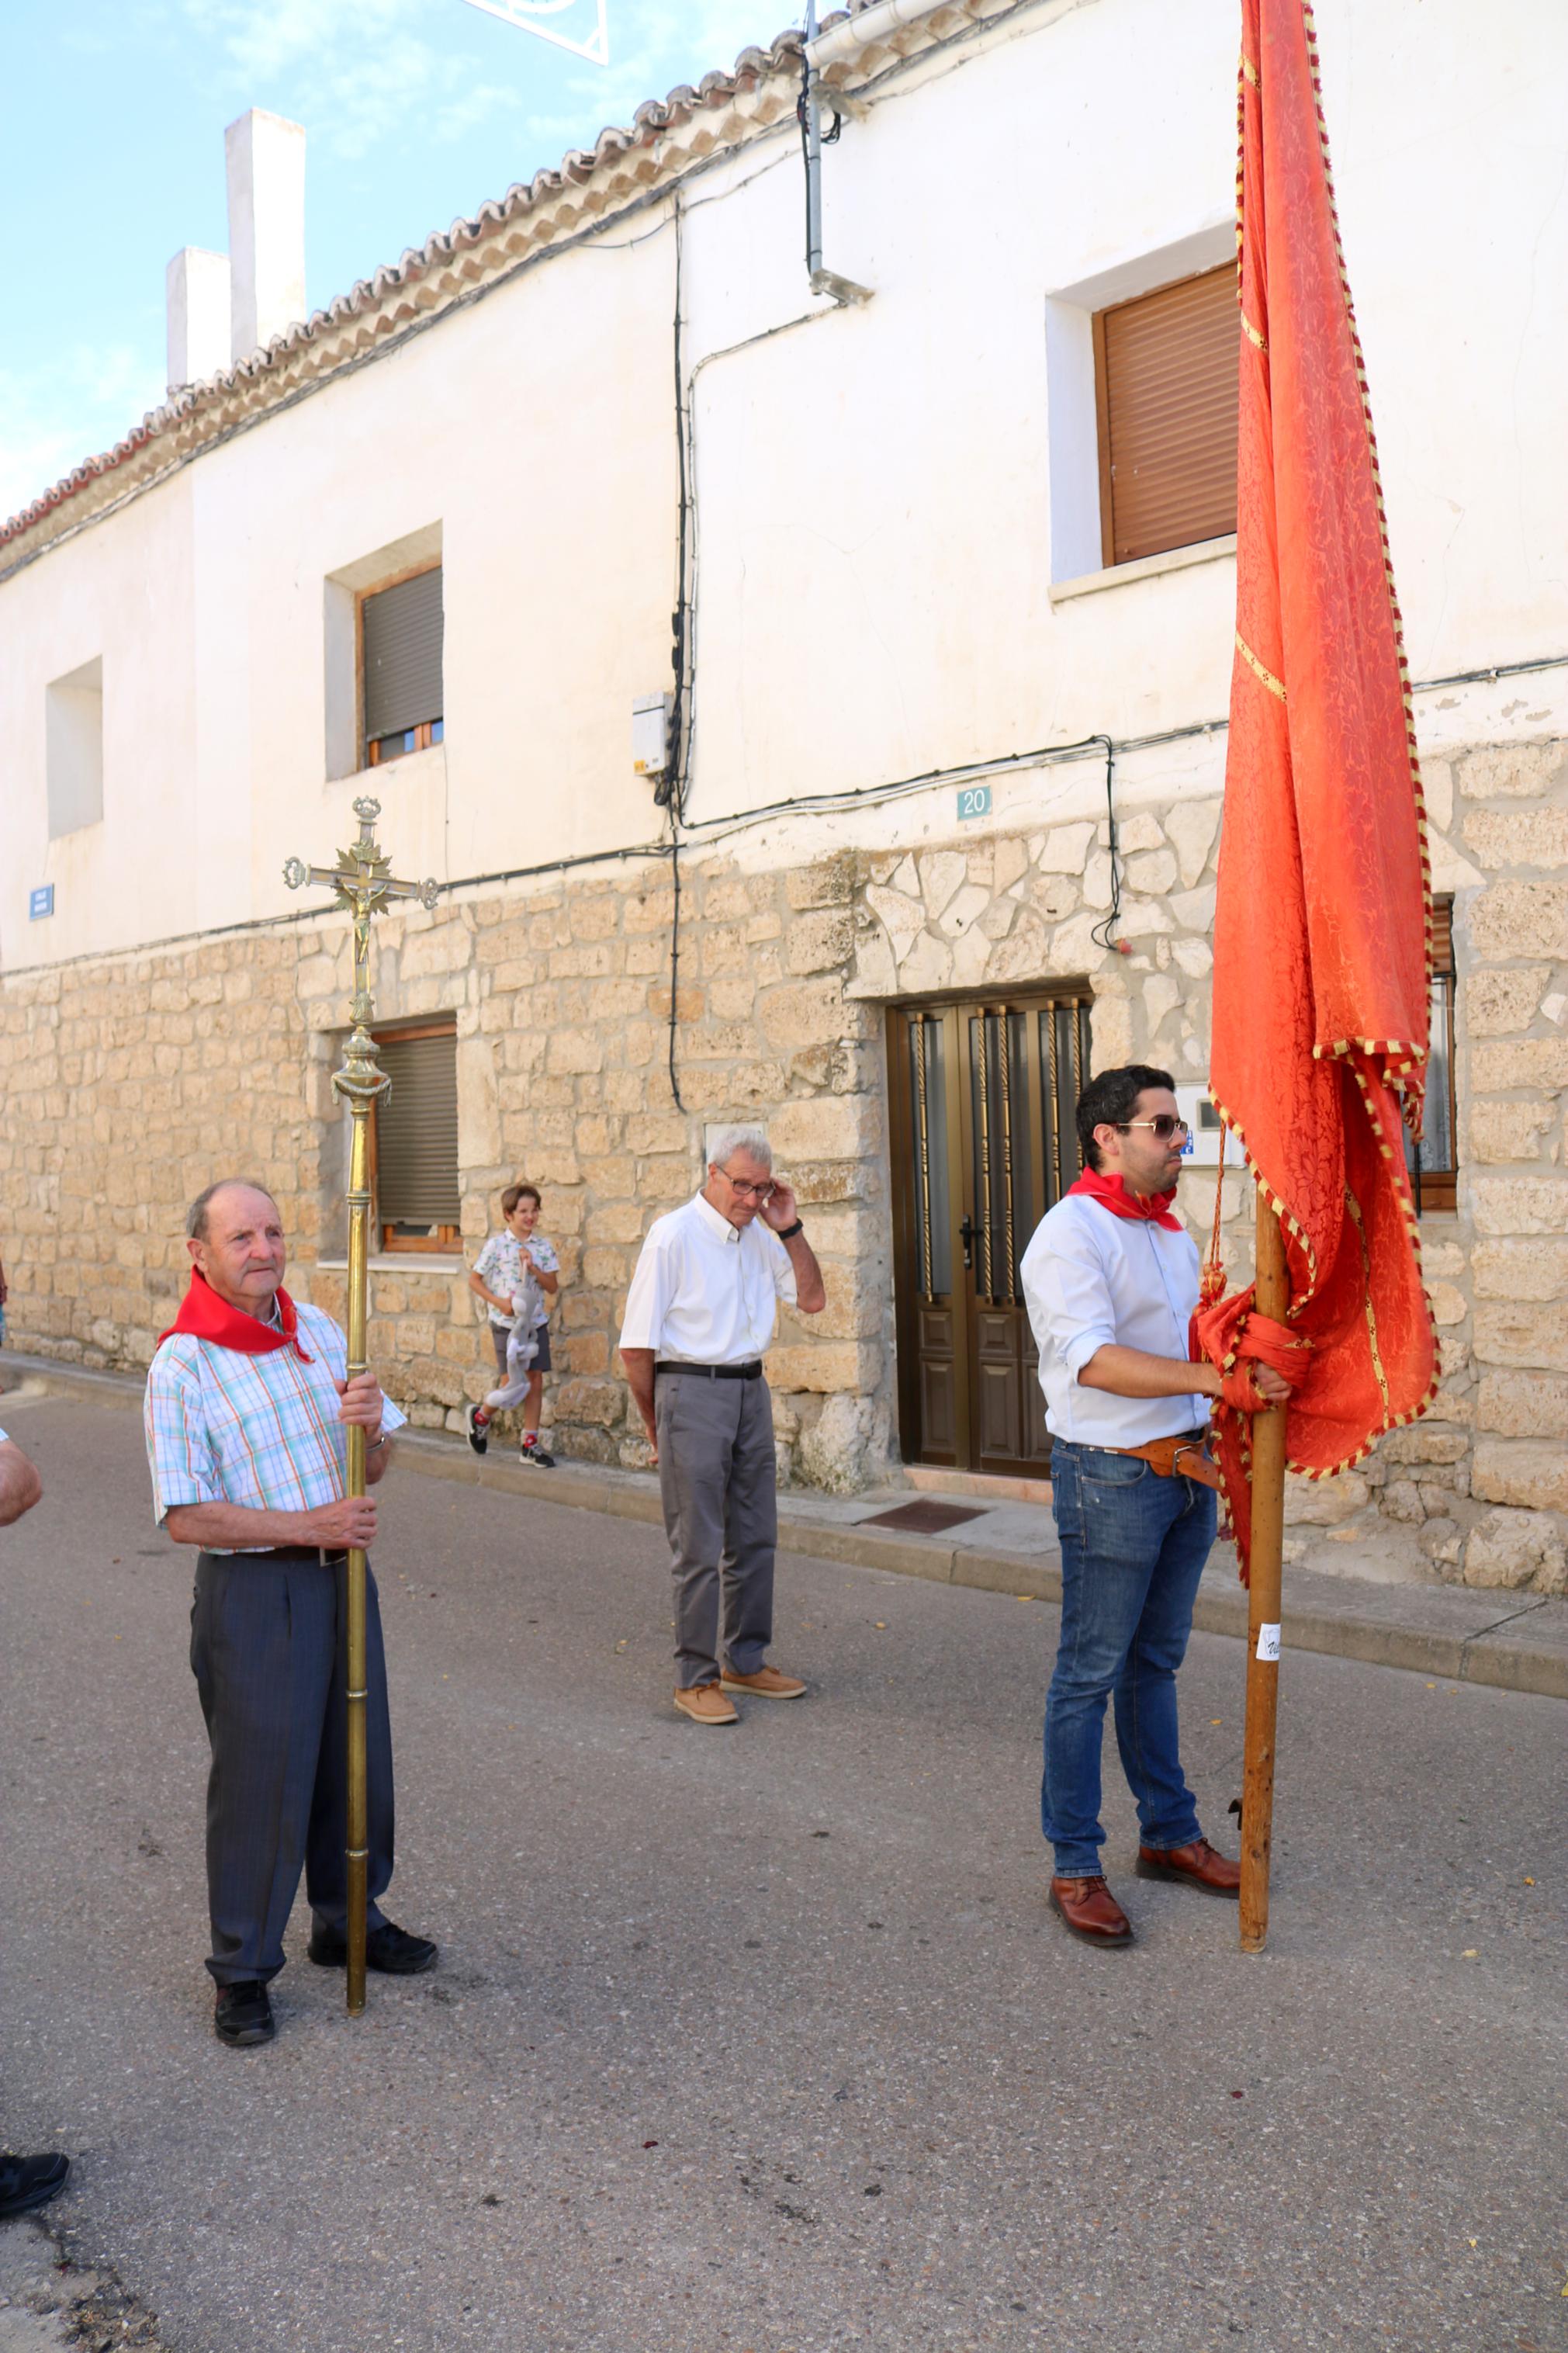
416,110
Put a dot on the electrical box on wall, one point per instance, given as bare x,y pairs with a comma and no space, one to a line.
1204,1129
650,734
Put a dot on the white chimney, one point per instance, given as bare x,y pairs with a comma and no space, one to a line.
266,161
196,288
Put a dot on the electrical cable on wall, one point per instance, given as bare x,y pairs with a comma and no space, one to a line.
1101,932
671,793
674,954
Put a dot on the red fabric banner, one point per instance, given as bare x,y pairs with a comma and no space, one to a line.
1322,929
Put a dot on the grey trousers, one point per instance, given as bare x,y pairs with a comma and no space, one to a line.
717,1482
269,1652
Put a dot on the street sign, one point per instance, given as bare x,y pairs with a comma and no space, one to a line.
575,25
40,903
975,800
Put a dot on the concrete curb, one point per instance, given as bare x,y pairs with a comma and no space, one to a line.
1515,1641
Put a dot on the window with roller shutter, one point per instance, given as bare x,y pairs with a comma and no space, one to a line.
1433,1159
1167,374
418,1203
400,655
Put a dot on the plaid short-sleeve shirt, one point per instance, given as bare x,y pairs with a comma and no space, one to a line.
262,1431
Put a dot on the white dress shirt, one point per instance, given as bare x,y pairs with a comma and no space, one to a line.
1091,1280
705,1290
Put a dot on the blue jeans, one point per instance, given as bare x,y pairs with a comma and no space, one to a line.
1134,1548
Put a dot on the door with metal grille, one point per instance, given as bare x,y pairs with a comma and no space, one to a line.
981,1097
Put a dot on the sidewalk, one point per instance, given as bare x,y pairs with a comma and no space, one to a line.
1517,1642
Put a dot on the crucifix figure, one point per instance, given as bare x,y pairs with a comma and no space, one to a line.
364,883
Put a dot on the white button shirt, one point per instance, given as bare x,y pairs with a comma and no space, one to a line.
1091,1280
705,1290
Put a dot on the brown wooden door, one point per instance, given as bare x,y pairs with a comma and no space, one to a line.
981,1097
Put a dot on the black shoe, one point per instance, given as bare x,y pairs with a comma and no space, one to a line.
391,1950
244,2014
536,1454
479,1432
29,2181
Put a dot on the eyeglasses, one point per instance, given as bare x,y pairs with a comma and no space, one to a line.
1164,1126
760,1192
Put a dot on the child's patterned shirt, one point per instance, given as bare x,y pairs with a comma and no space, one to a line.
499,1267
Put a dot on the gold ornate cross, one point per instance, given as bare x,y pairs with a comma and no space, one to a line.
364,883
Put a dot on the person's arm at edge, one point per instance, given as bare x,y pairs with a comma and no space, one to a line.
547,1278
1133,1373
643,1317
481,1290
20,1485
638,1364
810,1291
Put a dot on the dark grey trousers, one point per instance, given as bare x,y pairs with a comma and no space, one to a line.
268,1651
717,1482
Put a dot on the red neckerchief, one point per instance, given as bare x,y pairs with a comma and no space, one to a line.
205,1316
1154,1208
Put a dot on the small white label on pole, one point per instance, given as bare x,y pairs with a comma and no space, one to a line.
1268,1641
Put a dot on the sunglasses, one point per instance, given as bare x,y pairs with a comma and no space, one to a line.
1164,1126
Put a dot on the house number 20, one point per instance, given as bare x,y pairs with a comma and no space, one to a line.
975,800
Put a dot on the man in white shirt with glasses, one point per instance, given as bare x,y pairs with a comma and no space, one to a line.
699,1317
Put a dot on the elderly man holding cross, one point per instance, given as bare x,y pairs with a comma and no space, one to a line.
247,1400
699,1316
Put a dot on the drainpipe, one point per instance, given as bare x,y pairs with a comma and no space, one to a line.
844,290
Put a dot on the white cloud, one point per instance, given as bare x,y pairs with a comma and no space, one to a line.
364,71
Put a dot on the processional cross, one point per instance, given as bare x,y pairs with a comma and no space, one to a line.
364,883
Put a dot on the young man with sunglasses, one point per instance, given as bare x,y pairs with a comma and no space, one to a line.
1111,1282
699,1316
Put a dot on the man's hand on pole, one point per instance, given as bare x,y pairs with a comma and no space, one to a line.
347,1525
361,1400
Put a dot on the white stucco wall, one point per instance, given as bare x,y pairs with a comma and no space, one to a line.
874,488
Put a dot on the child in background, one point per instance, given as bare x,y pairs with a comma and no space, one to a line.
498,1276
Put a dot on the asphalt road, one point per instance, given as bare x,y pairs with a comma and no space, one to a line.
763,2040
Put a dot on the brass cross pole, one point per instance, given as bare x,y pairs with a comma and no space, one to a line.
364,884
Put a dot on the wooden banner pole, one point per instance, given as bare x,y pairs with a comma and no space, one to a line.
1264,1608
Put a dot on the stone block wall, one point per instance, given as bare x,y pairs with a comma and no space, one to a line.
132,1081
128,1081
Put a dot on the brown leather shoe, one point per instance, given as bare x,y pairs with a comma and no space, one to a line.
766,1683
1198,1864
706,1704
1088,1907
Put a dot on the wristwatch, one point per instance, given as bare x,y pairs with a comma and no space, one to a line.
788,1233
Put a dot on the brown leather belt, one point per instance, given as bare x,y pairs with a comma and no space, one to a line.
1185,1456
